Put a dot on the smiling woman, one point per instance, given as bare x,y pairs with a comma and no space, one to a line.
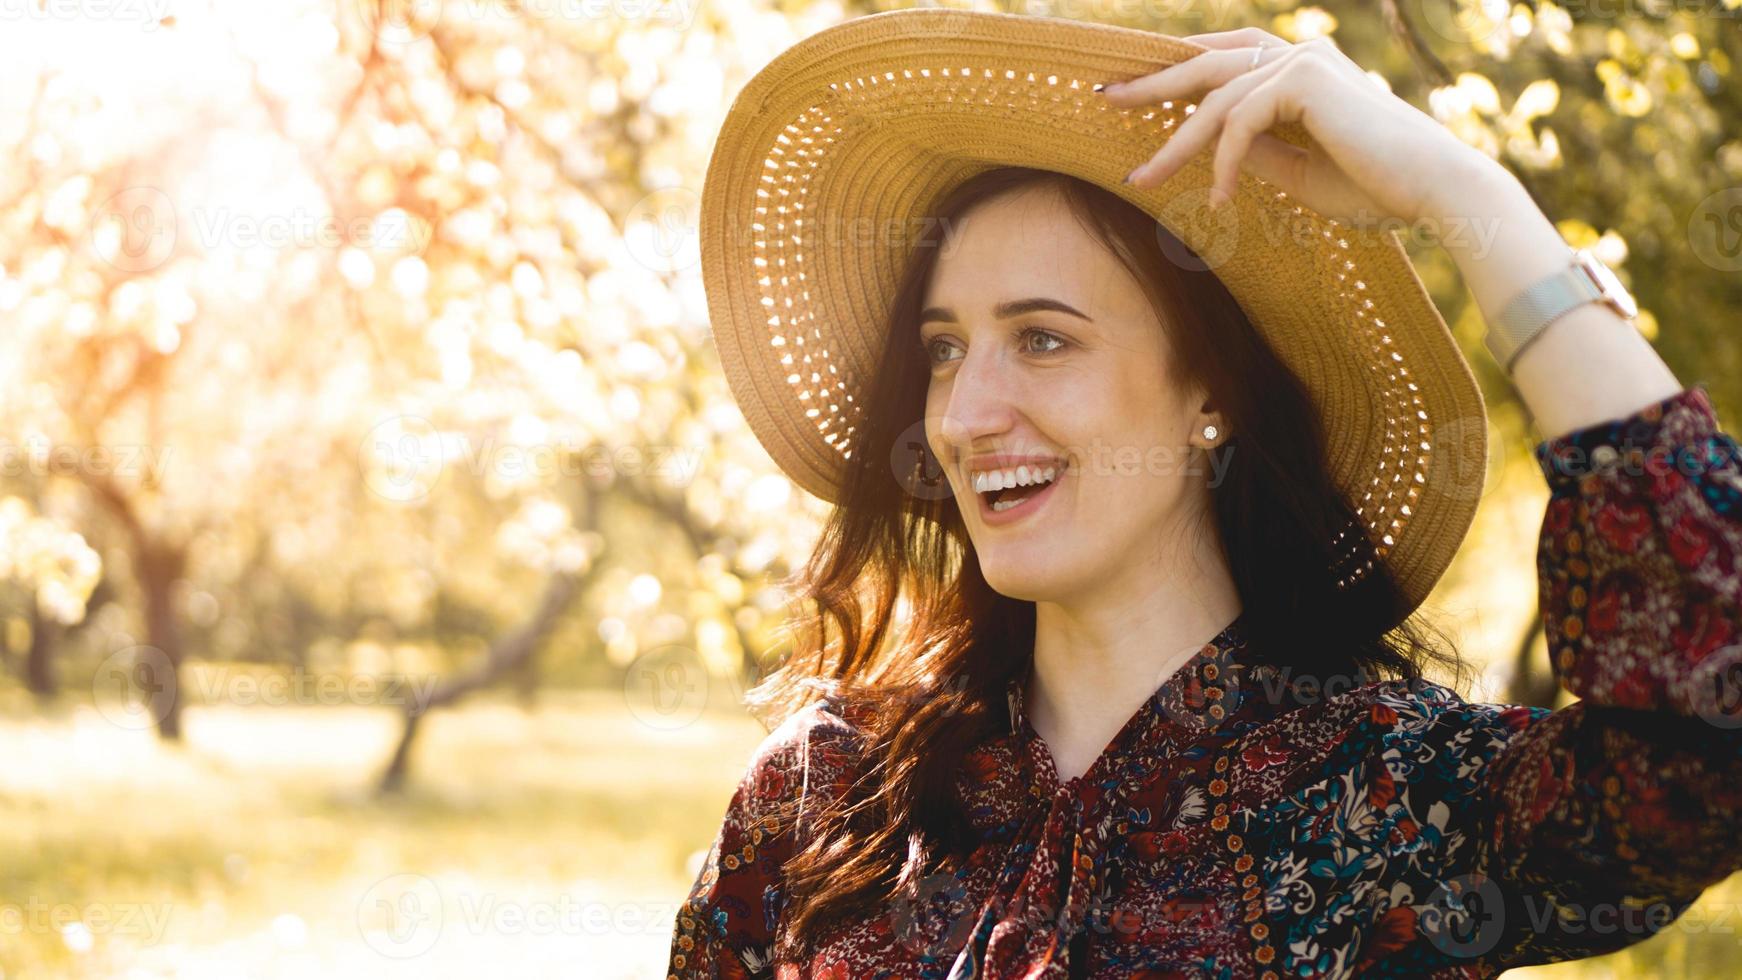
1150,352
1147,716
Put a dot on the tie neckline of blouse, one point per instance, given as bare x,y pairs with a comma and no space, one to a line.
1197,697
1070,833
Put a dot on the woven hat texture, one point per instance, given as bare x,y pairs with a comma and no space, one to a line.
831,155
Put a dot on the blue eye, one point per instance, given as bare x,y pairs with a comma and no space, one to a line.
1028,332
930,347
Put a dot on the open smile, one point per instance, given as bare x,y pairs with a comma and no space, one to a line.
1015,493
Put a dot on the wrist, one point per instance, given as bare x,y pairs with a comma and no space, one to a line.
1502,243
1469,188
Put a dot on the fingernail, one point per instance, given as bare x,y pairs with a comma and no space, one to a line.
1131,178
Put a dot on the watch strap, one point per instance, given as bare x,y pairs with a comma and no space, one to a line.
1528,314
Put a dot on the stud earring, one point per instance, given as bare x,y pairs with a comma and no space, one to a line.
1209,432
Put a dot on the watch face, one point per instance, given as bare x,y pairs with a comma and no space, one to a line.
1615,293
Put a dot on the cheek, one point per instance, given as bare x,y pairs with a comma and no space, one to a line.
1127,511
935,402
1136,473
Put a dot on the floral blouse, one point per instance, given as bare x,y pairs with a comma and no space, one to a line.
1240,825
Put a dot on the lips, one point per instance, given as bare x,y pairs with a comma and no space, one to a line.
1035,499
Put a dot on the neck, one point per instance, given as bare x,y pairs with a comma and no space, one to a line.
1099,656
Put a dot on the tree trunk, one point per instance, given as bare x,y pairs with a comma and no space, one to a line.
158,567
511,652
45,636
393,779
526,681
157,564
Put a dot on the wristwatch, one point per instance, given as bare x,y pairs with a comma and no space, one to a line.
1586,280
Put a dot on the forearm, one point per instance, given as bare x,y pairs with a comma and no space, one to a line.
1589,365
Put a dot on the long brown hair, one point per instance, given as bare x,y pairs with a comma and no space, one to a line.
925,689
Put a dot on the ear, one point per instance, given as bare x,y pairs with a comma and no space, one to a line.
1207,415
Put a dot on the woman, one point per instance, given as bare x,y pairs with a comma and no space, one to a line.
1114,670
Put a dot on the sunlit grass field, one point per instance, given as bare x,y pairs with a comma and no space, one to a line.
557,839
554,841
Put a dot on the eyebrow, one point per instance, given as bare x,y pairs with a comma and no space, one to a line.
1005,311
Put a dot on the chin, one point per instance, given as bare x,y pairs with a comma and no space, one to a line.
1023,587
1030,581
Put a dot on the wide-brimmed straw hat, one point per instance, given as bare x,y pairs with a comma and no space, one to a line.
834,151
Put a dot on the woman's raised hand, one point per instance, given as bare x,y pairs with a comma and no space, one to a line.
1376,156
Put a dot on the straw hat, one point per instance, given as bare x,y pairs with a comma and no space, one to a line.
834,149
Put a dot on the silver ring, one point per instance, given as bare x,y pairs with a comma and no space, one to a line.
1257,53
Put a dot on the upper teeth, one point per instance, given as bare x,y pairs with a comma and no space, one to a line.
1021,476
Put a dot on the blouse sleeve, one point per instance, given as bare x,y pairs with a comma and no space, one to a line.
1610,816
727,924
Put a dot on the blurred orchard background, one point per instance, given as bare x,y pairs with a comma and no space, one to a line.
381,554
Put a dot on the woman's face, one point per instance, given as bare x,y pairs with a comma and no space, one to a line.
1077,375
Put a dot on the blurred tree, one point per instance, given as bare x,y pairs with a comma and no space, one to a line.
344,295
322,323
353,306
57,575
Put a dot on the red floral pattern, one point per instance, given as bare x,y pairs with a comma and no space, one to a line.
1233,829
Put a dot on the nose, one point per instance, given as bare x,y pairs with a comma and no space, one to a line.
980,404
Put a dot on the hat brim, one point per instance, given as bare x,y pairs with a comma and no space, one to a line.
833,149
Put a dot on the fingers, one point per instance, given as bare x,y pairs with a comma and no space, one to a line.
1242,37
1201,126
1221,64
1243,133
1195,74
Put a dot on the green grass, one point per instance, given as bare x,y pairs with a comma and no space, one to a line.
559,841
556,841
